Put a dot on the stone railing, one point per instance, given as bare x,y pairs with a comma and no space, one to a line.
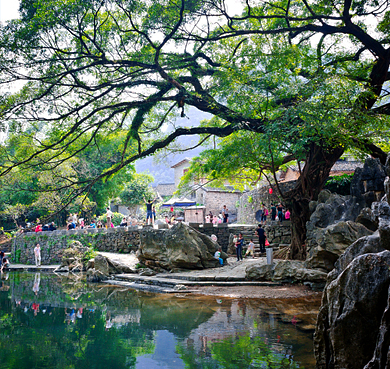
123,240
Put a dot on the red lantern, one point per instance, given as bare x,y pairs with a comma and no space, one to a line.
171,208
270,191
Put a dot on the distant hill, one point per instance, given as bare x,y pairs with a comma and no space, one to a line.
159,166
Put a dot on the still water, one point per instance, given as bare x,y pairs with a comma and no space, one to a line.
48,321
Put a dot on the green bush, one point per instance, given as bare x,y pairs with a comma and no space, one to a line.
116,218
339,184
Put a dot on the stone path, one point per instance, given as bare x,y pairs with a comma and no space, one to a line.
232,274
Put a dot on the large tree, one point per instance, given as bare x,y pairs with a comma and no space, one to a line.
100,66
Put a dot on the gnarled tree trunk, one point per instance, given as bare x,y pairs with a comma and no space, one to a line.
314,174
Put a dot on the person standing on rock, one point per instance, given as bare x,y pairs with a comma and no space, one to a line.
239,246
149,212
37,254
261,234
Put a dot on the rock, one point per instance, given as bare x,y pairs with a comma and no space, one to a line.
381,358
351,312
101,265
366,218
147,272
336,208
263,272
286,271
94,275
62,269
325,245
179,247
367,184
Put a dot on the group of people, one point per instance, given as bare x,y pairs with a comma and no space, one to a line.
278,213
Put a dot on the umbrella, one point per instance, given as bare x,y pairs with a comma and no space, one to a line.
183,202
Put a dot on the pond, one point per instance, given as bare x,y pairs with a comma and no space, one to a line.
48,321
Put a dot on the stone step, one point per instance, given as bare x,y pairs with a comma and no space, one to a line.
171,282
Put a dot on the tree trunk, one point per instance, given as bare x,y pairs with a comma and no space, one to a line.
315,172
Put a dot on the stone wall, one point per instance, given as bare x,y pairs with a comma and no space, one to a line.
124,240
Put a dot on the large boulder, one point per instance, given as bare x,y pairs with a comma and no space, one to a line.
180,247
351,312
351,327
291,271
325,245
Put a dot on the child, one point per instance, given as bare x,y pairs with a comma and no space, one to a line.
251,249
217,256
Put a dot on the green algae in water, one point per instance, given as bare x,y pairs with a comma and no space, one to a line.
47,321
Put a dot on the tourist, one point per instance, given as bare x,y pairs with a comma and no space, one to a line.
217,256
45,228
259,214
153,214
261,234
38,228
273,212
264,215
287,215
37,254
211,216
149,212
167,220
71,225
207,219
225,214
109,217
82,223
52,227
99,224
239,245
93,224
280,213
4,264
251,249
74,219
123,222
112,225
2,255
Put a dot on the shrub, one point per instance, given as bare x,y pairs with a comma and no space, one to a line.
339,184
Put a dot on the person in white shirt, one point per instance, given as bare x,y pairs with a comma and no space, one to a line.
217,256
251,249
109,217
37,254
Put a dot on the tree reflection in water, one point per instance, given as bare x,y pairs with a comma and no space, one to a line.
70,324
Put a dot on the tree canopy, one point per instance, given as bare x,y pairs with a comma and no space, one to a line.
308,78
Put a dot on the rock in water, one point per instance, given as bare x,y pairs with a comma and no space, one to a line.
179,247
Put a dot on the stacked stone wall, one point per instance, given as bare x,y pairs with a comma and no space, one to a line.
122,240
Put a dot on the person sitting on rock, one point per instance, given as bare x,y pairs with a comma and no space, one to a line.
217,256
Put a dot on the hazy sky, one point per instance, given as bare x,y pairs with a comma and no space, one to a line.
8,9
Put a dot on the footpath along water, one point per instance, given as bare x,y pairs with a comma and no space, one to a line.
48,321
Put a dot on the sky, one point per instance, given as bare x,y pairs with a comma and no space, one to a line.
8,9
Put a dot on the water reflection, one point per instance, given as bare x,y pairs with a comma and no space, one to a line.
48,321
